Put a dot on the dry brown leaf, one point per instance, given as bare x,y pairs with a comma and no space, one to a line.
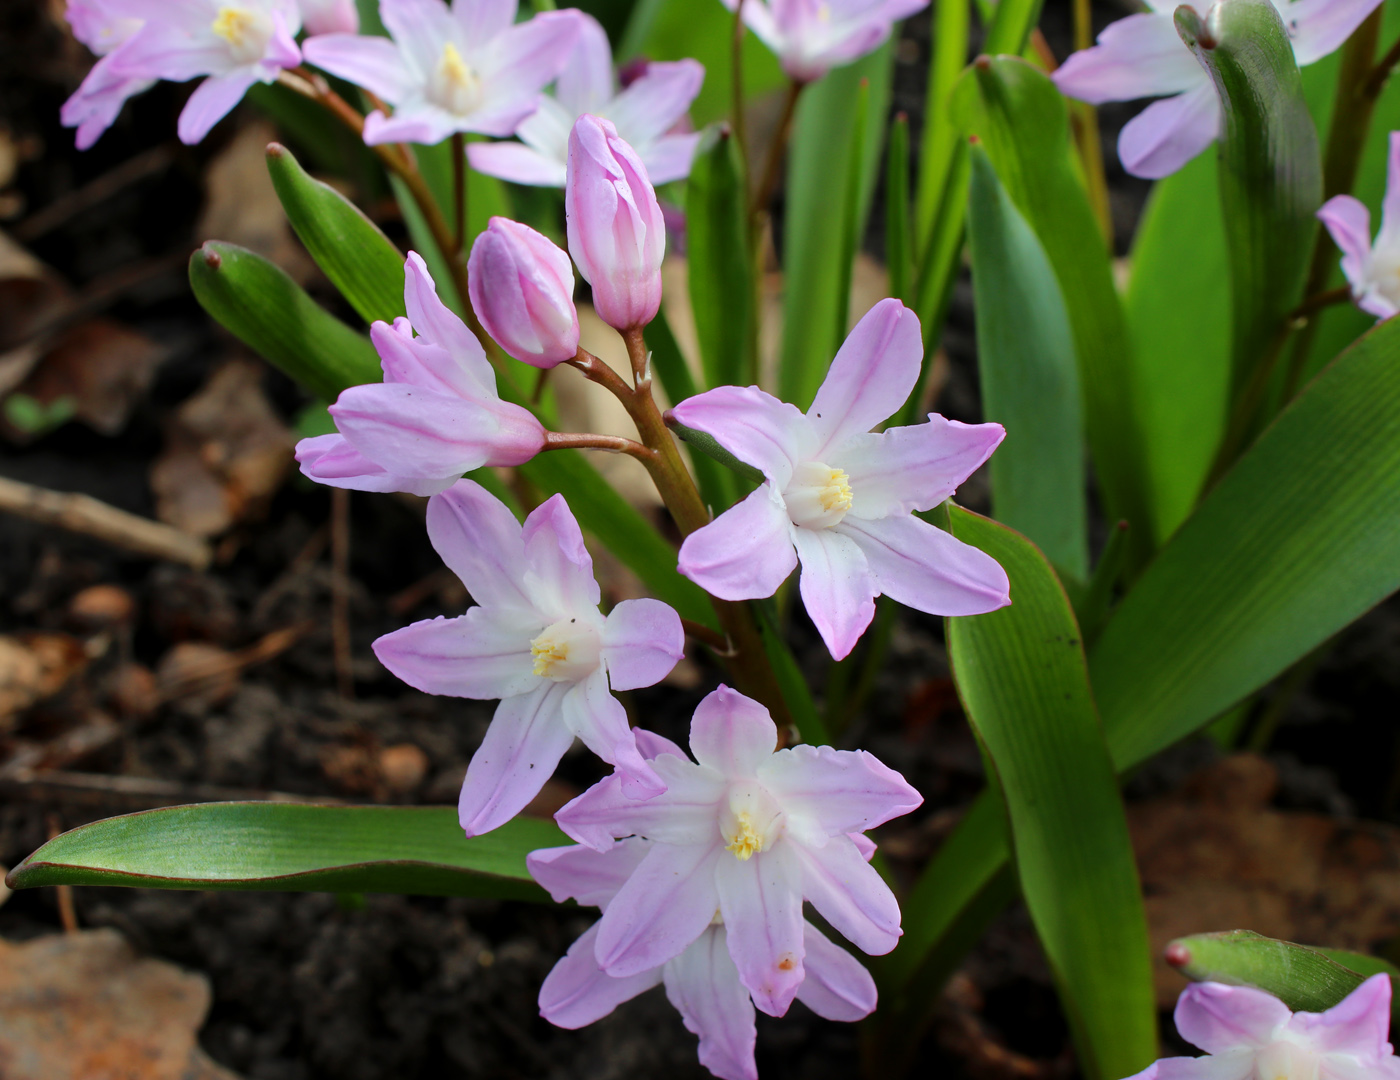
226,454
1216,856
85,1007
34,667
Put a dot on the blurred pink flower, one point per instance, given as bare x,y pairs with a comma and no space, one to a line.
435,416
1372,270
235,42
746,834
330,16
645,114
537,641
522,290
95,104
1142,56
468,68
1247,1033
811,37
840,498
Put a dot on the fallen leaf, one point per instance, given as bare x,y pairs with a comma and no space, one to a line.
198,673
84,1006
34,667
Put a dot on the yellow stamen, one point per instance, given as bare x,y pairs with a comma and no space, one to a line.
836,495
746,841
547,653
235,25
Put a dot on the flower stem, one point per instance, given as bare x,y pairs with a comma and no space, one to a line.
459,191
560,440
772,166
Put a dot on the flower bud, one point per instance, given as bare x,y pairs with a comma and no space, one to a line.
522,288
617,235
330,17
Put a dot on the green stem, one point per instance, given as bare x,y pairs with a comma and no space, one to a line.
772,166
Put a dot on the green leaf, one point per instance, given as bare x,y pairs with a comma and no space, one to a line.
1022,120
940,136
1304,979
898,234
1026,363
1024,683
1180,365
816,232
717,254
359,259
1011,27
294,847
1270,170
704,443
271,314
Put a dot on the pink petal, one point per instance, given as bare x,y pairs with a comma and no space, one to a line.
419,28
416,361
1389,236
478,538
502,117
483,654
561,567
652,746
850,894
591,712
838,587
642,641
1219,1018
653,104
837,986
1235,1066
732,734
1169,133
424,124
527,56
754,426
575,872
517,163
746,552
927,569
1137,57
161,51
434,320
1321,27
762,908
1358,1025
482,20
703,984
827,792
666,904
864,845
872,375
916,467
577,991
212,100
372,62
670,158
686,814
1349,223
415,432
585,83
522,747
330,460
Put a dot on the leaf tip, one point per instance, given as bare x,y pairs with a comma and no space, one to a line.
1178,955
983,62
212,258
276,150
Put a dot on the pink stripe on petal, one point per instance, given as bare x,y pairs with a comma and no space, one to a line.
478,655
1136,57
478,538
555,553
828,792
372,62
927,569
703,984
837,585
482,20
1321,27
517,163
850,894
732,734
913,468
585,82
667,903
416,432
746,552
424,124
435,321
577,991
521,750
599,720
212,100
529,55
579,873
771,435
653,104
837,986
761,903
642,642
686,814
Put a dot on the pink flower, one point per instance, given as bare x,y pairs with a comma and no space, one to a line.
1247,1033
330,16
812,36
467,68
748,834
1372,270
96,103
841,499
536,641
617,235
645,115
522,289
235,42
1142,56
702,982
435,416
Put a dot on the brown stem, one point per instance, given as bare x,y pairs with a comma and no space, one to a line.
459,191
773,165
560,440
1381,72
703,634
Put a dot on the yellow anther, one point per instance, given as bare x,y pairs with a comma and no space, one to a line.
836,495
235,25
547,653
455,86
746,841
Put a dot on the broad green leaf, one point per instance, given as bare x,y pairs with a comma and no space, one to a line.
1022,120
1304,979
1270,171
1180,366
294,847
898,230
359,259
717,254
1022,676
271,314
815,229
1026,364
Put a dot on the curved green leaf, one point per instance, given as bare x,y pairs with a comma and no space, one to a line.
1024,683
1025,357
1270,169
359,259
294,847
1022,120
271,314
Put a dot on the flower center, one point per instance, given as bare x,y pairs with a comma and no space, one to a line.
751,821
455,86
818,496
1285,1061
566,651
247,32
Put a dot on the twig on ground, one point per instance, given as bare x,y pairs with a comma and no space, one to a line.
94,193
340,592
